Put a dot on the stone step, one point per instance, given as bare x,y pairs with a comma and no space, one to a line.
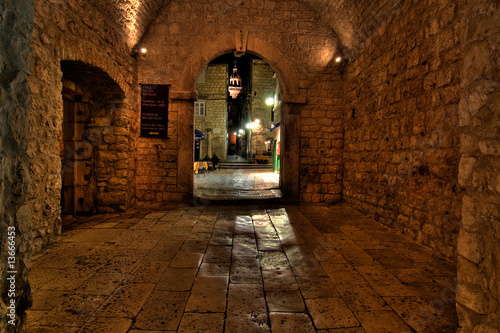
229,165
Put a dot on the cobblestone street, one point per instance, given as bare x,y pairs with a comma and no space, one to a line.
237,184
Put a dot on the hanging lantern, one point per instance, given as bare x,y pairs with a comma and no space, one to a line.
234,87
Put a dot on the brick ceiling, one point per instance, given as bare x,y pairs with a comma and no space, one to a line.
134,16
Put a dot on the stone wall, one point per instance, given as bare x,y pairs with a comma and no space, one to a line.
401,121
321,140
301,48
213,91
478,292
16,27
97,58
263,85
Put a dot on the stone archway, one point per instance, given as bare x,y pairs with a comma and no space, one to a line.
286,72
292,99
93,141
96,147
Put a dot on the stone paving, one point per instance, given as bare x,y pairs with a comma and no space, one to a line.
240,268
237,184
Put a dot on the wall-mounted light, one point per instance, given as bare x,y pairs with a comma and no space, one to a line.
136,50
338,59
270,102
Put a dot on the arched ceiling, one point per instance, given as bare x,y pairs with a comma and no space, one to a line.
133,17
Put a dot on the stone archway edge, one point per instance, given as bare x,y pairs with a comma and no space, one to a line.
74,51
226,43
292,96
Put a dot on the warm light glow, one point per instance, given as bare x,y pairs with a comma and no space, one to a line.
253,125
241,131
235,84
338,59
144,50
234,133
129,19
269,101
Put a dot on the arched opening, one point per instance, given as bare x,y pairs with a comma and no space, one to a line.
93,143
235,130
293,100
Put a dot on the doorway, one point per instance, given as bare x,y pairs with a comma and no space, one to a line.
238,123
78,190
94,142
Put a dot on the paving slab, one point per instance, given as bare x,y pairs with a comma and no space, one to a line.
331,313
240,268
162,311
291,322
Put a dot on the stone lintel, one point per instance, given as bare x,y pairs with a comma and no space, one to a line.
184,95
240,41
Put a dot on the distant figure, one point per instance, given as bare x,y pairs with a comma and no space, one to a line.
215,161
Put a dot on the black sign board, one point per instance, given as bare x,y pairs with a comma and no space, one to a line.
154,111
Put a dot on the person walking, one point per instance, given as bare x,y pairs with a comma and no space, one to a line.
215,161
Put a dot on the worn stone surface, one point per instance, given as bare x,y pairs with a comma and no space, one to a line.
16,63
478,291
213,91
71,40
299,49
401,121
263,85
408,135
264,291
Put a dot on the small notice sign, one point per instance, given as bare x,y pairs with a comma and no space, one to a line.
154,111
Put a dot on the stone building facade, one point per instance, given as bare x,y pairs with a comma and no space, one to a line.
404,128
213,92
263,87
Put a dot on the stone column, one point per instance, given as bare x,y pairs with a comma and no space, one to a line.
183,102
15,215
209,138
478,290
290,151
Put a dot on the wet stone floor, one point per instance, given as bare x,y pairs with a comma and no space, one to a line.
237,184
237,268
